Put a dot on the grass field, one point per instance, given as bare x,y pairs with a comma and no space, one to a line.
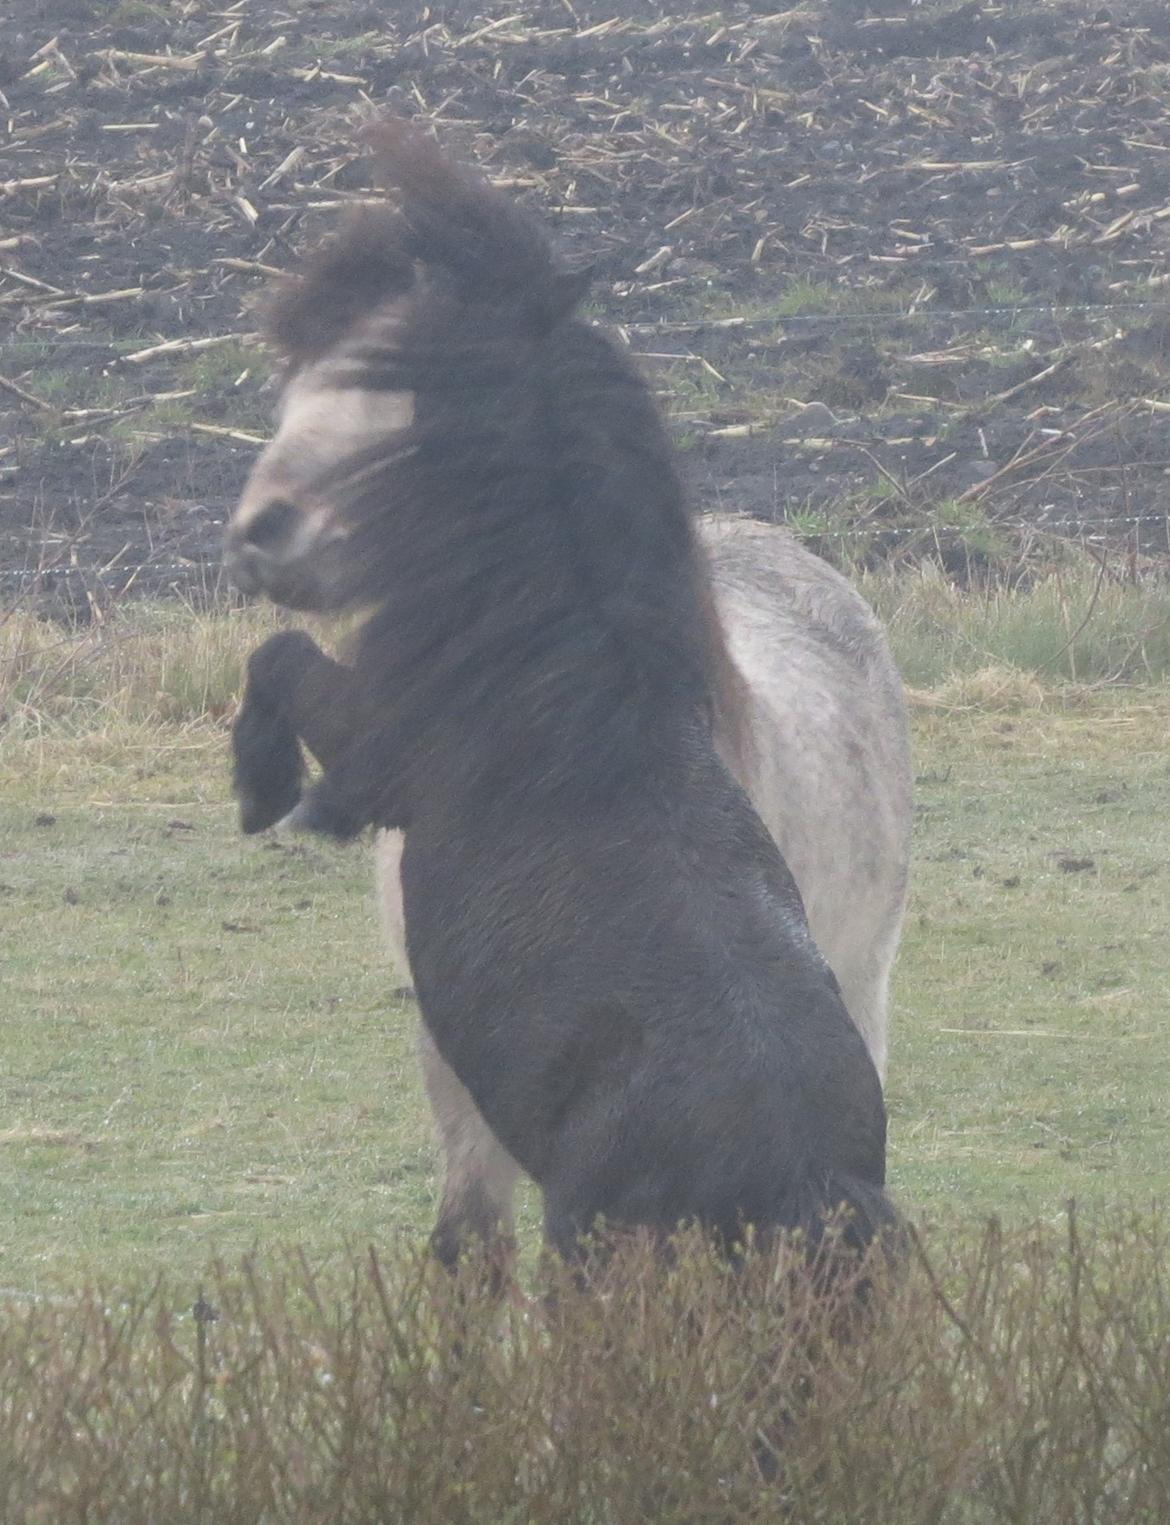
944,230
202,1054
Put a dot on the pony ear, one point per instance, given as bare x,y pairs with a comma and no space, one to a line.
492,248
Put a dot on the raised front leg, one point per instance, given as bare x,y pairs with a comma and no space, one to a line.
361,788
348,796
293,693
267,766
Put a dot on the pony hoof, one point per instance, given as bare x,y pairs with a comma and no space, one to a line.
299,819
309,817
259,815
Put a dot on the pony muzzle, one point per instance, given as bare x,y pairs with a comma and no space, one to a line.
288,554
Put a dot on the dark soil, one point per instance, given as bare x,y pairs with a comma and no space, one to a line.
946,226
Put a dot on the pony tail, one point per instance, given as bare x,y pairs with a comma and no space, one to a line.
460,224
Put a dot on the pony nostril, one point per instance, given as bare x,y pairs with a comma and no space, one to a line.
272,525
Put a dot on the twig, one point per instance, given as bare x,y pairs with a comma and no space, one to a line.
1030,381
237,434
1003,1032
182,347
17,391
31,280
187,62
1056,656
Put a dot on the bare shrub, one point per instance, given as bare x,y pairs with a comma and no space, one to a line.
1001,1376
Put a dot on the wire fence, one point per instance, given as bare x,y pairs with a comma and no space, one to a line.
122,348
1094,529
1091,529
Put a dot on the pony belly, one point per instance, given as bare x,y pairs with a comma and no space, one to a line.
655,1124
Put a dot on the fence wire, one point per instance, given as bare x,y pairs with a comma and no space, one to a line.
1086,529
121,348
1091,528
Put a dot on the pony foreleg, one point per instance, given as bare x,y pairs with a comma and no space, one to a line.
293,692
267,766
354,792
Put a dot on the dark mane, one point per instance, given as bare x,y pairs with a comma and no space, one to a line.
532,524
346,280
450,220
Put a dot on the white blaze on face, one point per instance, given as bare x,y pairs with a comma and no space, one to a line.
330,423
321,427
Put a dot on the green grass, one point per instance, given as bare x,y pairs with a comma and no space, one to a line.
1004,293
206,1052
794,296
218,369
201,1047
1073,625
1029,1051
220,386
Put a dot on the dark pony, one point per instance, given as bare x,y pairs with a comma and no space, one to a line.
608,948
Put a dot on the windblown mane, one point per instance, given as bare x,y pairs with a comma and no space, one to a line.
526,544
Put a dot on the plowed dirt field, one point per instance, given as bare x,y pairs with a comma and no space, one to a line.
945,228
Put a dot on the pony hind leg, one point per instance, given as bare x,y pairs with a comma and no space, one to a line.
479,1174
865,989
388,847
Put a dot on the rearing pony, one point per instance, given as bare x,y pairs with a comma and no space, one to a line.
609,951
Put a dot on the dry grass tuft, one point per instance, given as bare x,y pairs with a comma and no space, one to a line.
1075,625
1006,648
988,688
164,663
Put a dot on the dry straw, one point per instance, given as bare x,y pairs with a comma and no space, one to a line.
1002,1376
